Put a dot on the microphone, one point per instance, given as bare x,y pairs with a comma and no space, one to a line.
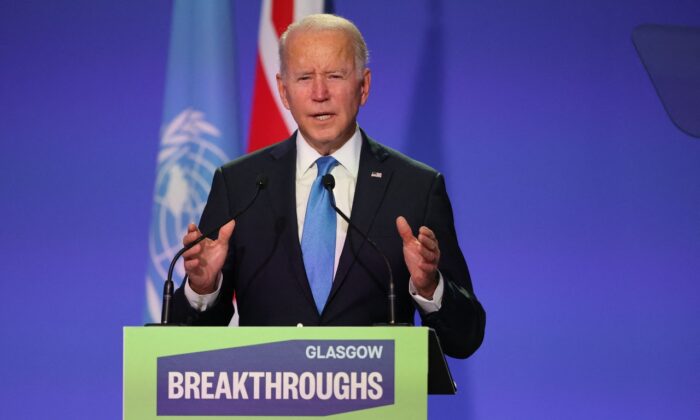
168,288
329,183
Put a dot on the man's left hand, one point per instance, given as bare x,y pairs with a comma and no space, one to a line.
422,256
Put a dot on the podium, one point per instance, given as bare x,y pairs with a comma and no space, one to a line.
278,372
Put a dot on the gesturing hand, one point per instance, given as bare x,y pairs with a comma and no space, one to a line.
422,256
204,261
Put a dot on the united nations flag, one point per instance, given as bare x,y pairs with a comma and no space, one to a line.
200,131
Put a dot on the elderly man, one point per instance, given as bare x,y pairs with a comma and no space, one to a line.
290,259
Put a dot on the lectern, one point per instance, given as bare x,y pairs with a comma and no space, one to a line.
277,372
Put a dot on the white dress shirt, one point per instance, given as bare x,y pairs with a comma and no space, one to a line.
345,174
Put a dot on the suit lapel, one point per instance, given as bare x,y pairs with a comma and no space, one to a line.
372,180
283,202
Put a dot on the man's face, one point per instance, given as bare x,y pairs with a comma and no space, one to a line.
321,87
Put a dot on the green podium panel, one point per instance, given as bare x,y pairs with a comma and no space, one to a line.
275,372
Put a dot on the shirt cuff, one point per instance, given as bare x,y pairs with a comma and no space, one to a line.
428,305
202,302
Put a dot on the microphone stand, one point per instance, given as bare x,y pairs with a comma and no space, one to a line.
169,286
329,184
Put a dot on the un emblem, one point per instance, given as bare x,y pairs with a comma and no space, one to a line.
187,161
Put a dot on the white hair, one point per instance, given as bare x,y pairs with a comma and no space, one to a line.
327,22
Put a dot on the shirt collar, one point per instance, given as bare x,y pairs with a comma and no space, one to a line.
348,156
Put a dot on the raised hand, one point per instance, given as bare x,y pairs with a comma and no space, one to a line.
204,261
422,256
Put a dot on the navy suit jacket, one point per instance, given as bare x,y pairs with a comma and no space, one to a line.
265,266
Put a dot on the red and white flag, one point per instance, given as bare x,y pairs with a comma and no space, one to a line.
270,122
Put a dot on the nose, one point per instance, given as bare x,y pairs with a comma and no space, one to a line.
319,90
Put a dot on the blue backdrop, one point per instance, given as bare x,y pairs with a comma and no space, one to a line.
576,198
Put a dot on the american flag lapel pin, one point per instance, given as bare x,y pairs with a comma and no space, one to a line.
375,174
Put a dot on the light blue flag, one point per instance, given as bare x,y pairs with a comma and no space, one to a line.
200,132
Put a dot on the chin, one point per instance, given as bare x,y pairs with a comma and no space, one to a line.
321,137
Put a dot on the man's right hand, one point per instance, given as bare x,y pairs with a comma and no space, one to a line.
204,261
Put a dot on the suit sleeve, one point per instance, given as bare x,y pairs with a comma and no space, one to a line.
461,320
215,213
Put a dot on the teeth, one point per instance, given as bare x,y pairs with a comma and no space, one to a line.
322,117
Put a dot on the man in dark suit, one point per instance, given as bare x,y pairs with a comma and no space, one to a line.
291,263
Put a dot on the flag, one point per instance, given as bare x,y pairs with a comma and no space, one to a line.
270,122
199,133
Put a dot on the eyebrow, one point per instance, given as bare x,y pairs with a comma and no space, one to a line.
309,72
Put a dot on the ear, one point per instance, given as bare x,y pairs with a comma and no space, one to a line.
365,84
282,89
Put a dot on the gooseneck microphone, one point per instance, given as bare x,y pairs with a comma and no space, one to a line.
329,183
168,287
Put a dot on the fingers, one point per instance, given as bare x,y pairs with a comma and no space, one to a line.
429,245
424,246
192,234
404,230
193,265
422,254
429,256
193,252
226,231
194,259
427,238
197,258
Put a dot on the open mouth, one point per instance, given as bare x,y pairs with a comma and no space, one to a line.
322,117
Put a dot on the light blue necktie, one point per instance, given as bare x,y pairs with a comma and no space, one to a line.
318,237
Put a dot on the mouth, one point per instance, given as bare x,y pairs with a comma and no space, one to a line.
322,116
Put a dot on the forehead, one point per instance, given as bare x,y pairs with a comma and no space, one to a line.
319,49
